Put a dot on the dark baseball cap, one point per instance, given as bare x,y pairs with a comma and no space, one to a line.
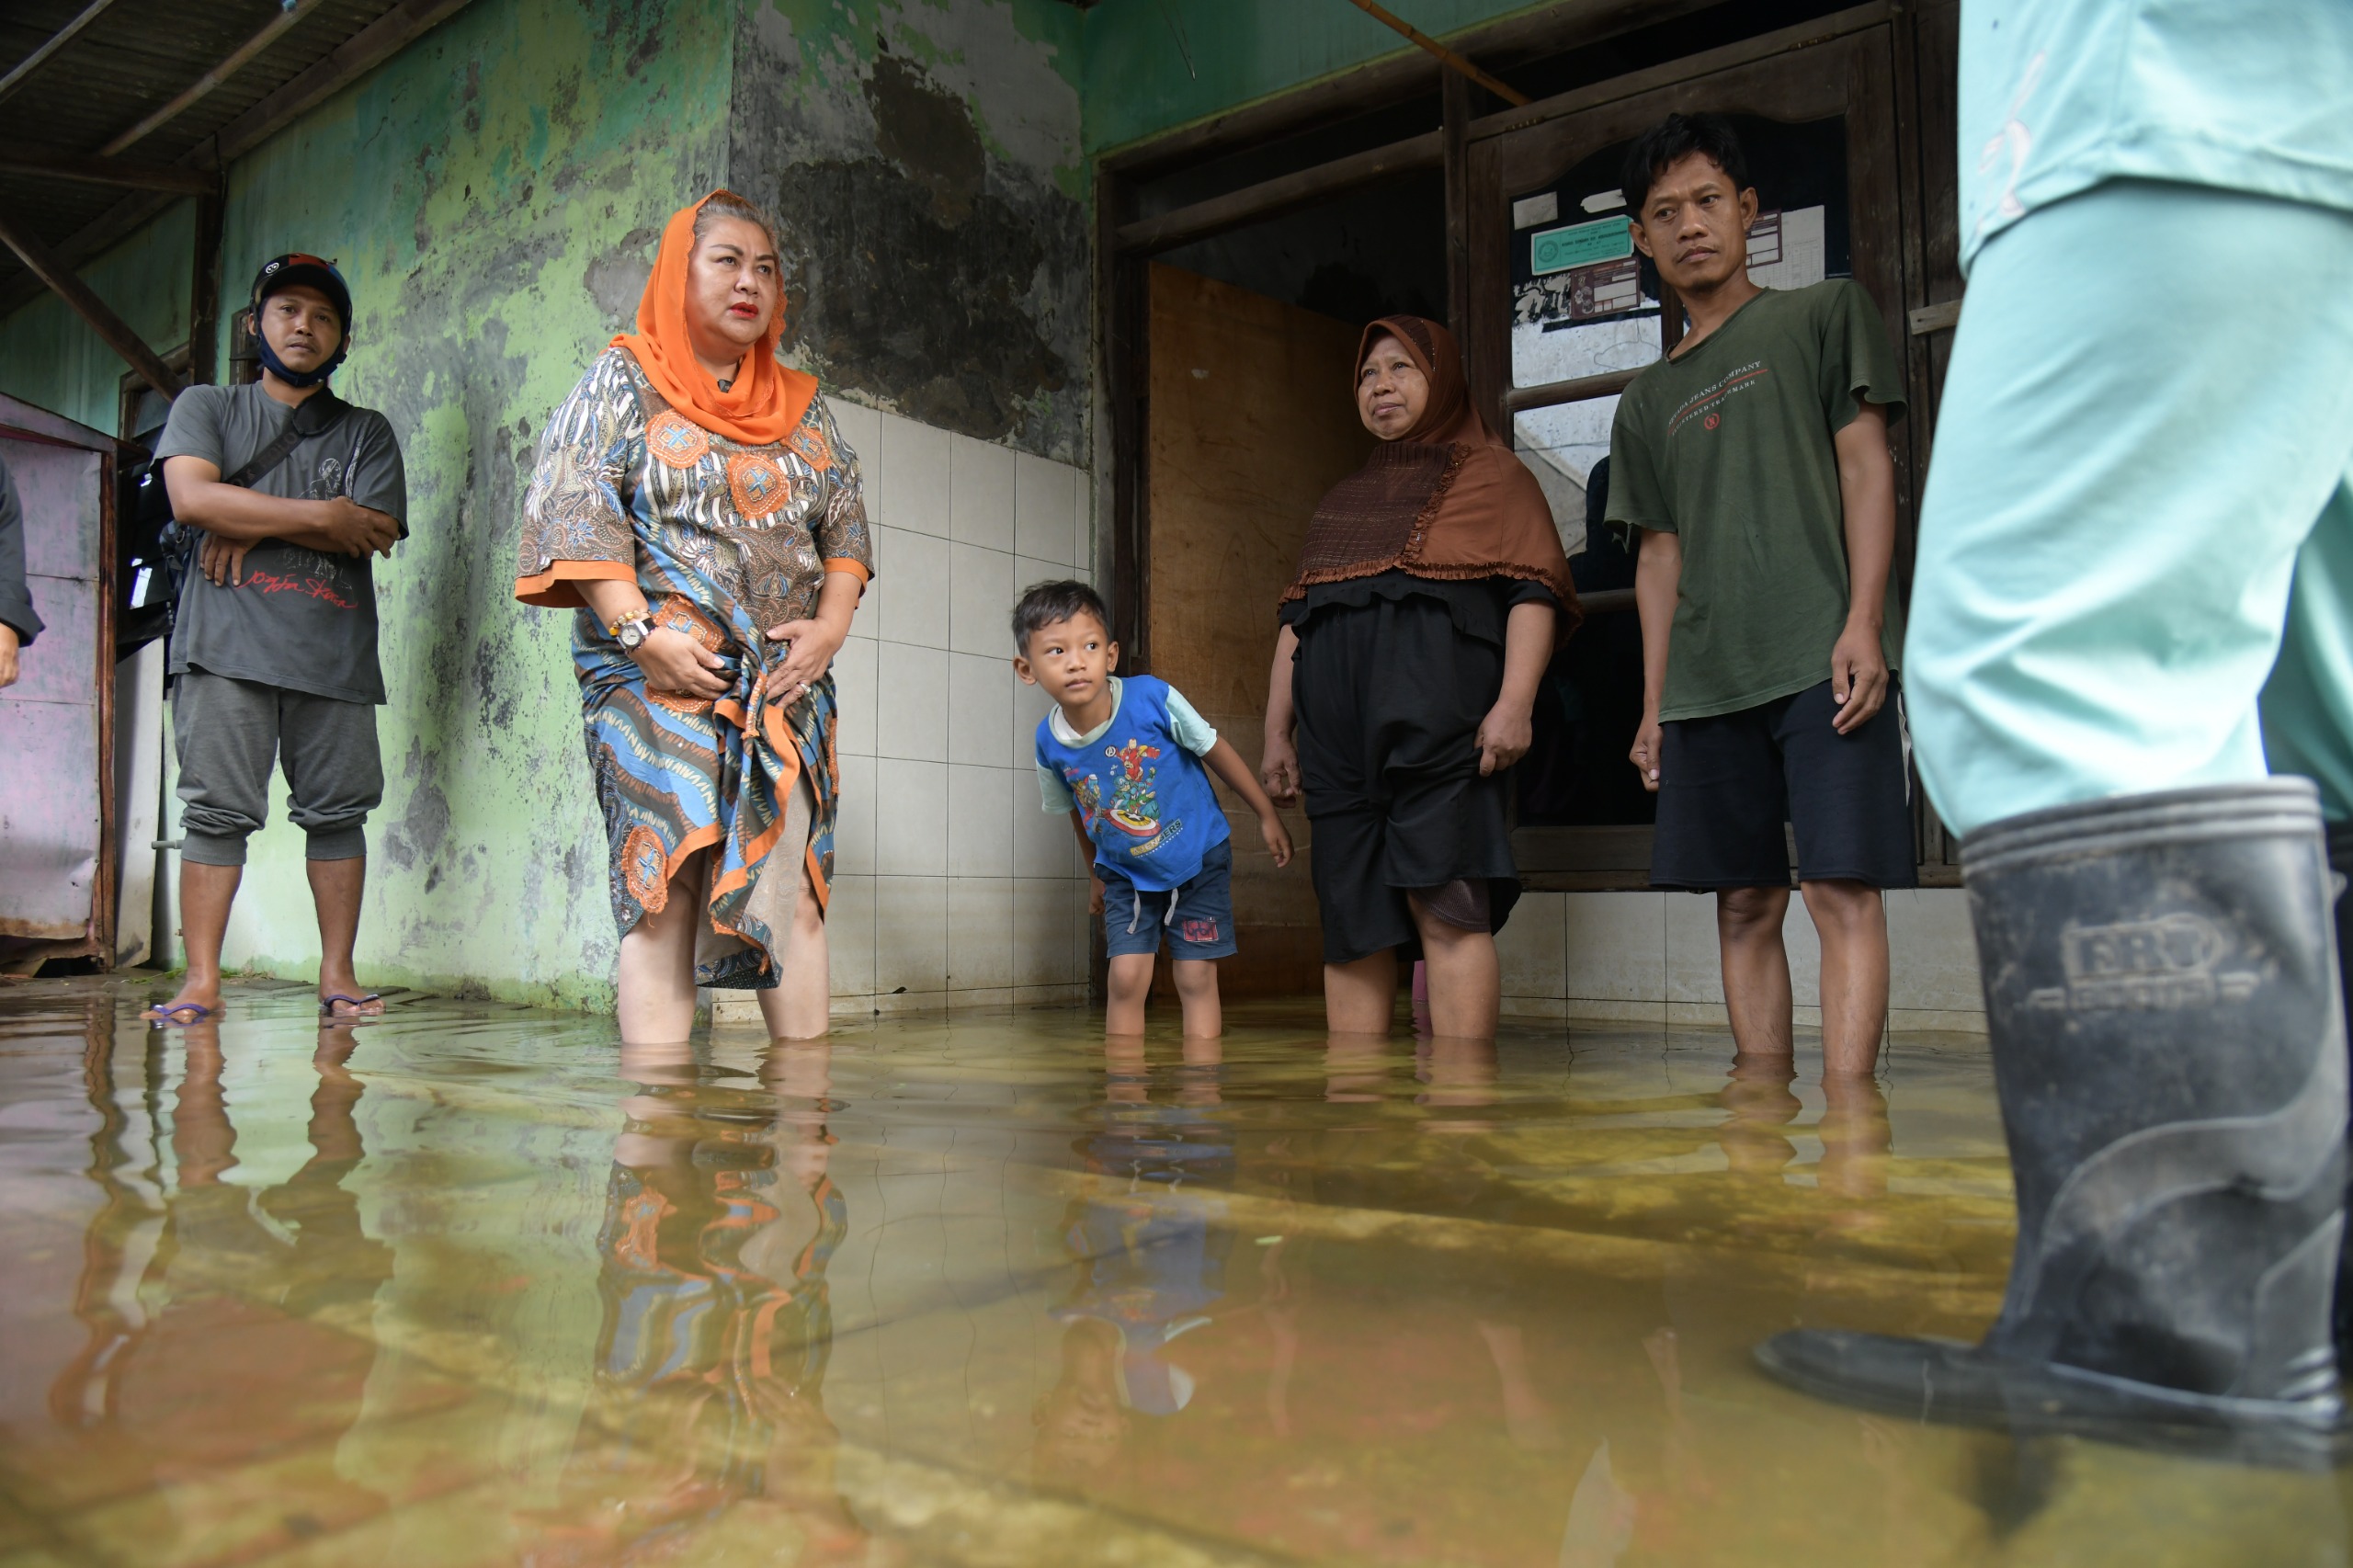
311,271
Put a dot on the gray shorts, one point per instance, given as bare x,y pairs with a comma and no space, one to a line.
226,733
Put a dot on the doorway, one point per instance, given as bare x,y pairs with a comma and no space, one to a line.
1205,236
1564,312
1249,421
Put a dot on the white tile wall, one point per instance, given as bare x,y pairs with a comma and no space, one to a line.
980,816
911,828
980,933
849,934
910,935
979,504
854,820
1045,519
951,887
911,702
1029,705
980,708
980,598
916,486
862,430
912,587
855,671
1636,956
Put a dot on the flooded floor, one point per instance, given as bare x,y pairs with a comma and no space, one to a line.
475,1285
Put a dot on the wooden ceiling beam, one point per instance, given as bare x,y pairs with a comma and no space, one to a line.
86,304
349,61
358,55
1284,193
56,163
57,41
204,87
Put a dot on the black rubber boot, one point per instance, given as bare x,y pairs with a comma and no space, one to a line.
2340,860
2162,993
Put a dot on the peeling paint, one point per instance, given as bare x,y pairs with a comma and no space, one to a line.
490,194
921,160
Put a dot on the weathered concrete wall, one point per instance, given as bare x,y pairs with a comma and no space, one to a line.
924,162
479,192
493,195
1152,65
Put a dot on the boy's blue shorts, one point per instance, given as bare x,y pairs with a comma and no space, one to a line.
1199,925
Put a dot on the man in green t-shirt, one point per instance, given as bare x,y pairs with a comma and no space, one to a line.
1754,460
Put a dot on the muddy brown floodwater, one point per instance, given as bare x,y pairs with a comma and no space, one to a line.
477,1285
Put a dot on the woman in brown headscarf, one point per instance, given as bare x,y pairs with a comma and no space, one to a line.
1430,595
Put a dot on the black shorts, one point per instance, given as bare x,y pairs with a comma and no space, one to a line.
1728,782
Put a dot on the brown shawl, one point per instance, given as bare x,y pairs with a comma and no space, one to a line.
1446,499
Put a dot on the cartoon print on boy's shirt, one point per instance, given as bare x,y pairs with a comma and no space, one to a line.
1134,807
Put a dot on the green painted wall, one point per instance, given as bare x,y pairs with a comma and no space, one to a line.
471,191
479,192
48,357
1153,65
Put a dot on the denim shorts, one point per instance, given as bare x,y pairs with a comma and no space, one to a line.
1196,919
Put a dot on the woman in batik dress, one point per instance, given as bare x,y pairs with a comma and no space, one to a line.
695,504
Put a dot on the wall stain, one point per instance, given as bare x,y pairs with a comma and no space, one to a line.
928,133
915,155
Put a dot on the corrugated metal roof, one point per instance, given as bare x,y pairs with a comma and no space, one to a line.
132,59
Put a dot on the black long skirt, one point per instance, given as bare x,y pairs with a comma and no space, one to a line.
1389,695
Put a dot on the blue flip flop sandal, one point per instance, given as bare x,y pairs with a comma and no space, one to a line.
327,1007
165,1018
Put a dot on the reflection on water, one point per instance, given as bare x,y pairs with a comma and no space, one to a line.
719,1221
477,1285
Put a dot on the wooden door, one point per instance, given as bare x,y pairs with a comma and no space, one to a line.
1249,420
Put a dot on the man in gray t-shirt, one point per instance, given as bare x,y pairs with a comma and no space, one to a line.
274,647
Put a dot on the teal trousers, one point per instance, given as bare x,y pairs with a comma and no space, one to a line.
2135,564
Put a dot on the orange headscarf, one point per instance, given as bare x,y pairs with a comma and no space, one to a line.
767,398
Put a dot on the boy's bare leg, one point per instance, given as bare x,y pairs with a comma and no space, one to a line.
206,893
1466,977
1852,919
1129,981
335,890
657,985
1360,998
800,1004
1756,968
1197,989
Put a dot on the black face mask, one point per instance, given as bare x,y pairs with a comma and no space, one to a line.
277,367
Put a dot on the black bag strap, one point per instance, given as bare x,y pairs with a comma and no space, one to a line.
330,412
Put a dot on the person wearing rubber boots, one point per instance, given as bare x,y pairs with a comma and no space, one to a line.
2138,503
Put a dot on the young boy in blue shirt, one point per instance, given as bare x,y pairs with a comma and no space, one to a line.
1130,761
